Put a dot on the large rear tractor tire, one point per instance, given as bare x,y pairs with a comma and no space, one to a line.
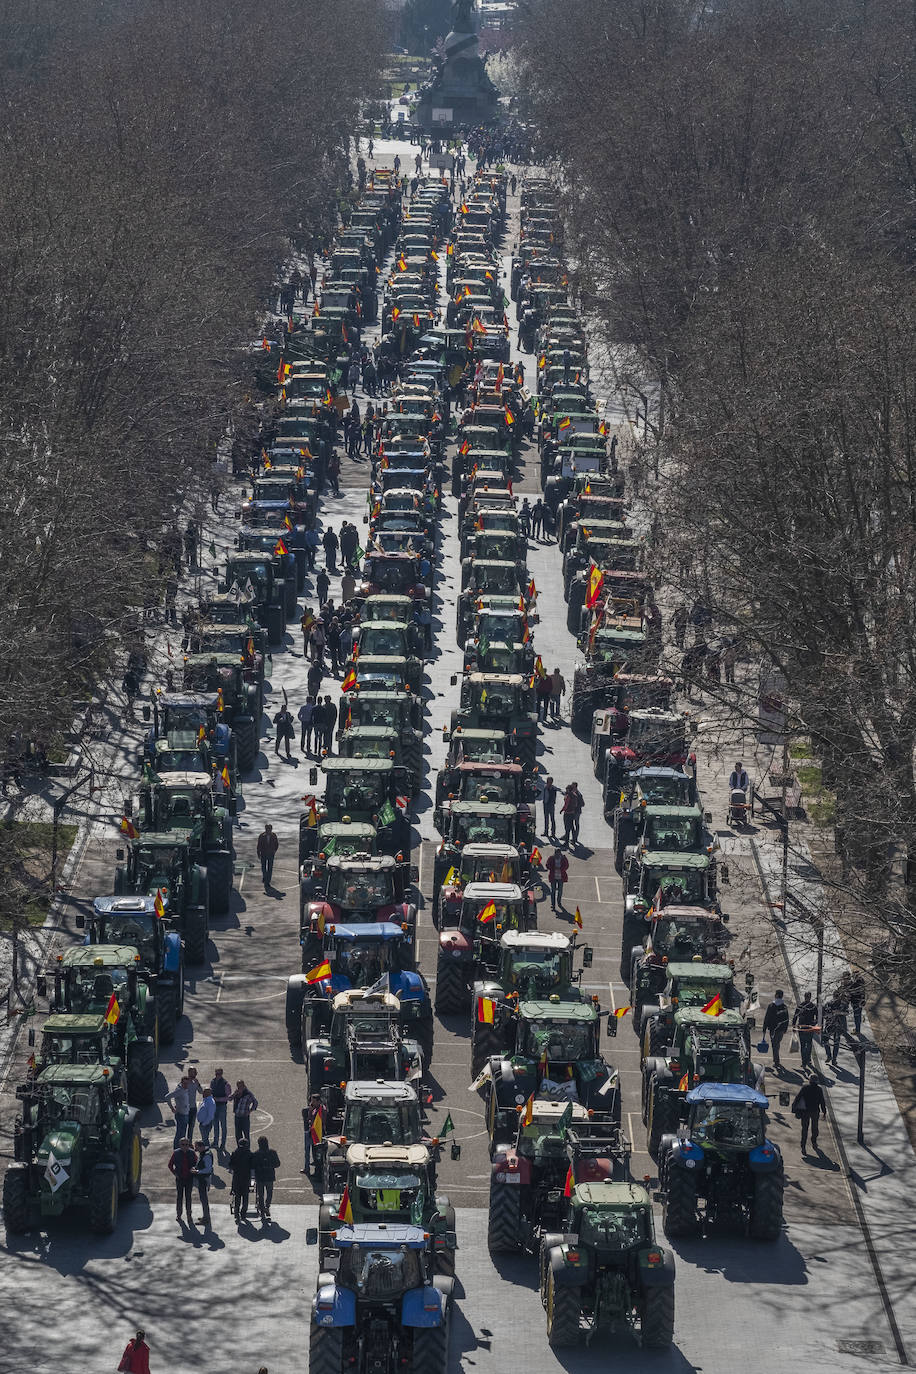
103,1201
16,1209
196,935
484,1042
656,1328
246,734
430,1349
219,882
503,1220
326,1350
133,1165
766,1207
168,1014
142,1066
679,1208
662,1114
562,1314
451,987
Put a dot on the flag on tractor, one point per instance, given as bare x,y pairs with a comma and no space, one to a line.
542,362
227,781
565,422
321,921
345,1211
319,972
349,681
434,255
448,1126
536,856
595,585
528,1115
395,312
505,873
577,919
588,488
287,524
450,877
159,904
526,633
486,1008
684,1084
113,1010
402,265
280,549
510,418
539,668
488,914
569,1184
387,815
621,1012
465,448
449,250
500,374
713,1007
128,828
478,326
531,590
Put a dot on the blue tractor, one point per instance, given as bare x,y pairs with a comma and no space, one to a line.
378,1307
133,921
721,1167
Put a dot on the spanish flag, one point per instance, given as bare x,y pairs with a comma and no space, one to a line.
394,313
528,1116
316,1130
113,1010
128,828
288,524
539,668
225,776
249,648
402,265
536,857
449,250
465,447
500,374
319,972
510,418
569,1184
595,585
345,1211
280,548
485,1010
159,904
577,919
565,422
588,489
531,590
505,873
313,812
713,1007
434,255
349,681
542,362
684,1084
488,914
621,1012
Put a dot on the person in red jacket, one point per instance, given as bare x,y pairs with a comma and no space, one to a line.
557,872
135,1359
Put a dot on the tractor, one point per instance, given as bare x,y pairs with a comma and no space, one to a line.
721,1167
500,702
240,702
654,737
644,786
470,940
373,1113
357,889
480,823
372,790
399,714
483,782
162,866
75,1145
483,863
365,1041
189,733
182,806
381,1307
133,921
255,574
672,935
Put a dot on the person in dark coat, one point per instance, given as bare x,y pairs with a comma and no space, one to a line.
265,1162
805,1020
809,1106
775,1025
240,1165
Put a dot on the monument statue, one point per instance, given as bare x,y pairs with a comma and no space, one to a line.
460,94
463,16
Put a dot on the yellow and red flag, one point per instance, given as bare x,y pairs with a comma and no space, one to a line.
128,828
577,919
595,585
280,548
345,1211
316,1130
684,1084
402,265
510,418
713,1007
159,904
113,1010
500,374
488,914
486,1008
319,972
434,255
287,524
227,781
449,250
536,856
465,447
539,668
621,1012
565,422
528,1116
569,1184
349,681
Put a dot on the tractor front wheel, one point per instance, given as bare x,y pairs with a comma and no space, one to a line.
484,1042
141,1073
562,1314
16,1209
451,987
766,1206
133,1165
662,1113
504,1220
103,1201
657,1320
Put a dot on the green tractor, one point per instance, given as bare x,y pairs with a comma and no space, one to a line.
470,941
75,1145
373,791
80,1030
159,959
500,702
673,935
240,703
258,579
693,984
602,1270
163,865
188,734
392,714
182,807
496,825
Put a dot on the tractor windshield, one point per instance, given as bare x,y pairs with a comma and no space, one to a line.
181,719
364,964
391,714
665,791
489,787
607,1230
735,1124
564,1041
392,574
153,860
362,888
356,791
371,1064
71,1049
376,1123
391,1193
62,1103
91,988
656,737
134,928
378,1272
496,702
508,917
484,829
485,868
383,639
548,968
680,888
674,832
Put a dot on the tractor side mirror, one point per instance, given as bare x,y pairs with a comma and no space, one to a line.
414,873
313,777
119,855
127,806
454,679
31,1038
365,519
588,955
80,921
41,985
723,874
311,1235
147,714
455,1150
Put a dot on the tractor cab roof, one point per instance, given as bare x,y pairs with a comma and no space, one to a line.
171,782
495,770
553,940
477,733
672,860
381,1236
382,1091
612,1195
547,1112
75,1023
481,808
489,851
495,679
339,765
74,1075
366,932
175,701
701,973
384,1156
727,1092
547,1011
492,892
347,829
100,956
349,863
730,1019
354,1000
130,906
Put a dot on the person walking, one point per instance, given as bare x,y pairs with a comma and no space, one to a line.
809,1106
537,519
542,696
135,1359
195,1087
244,1103
836,1027
179,1099
264,1162
317,642
311,548
285,730
268,844
775,1024
331,545
334,629
571,811
203,1174
240,1169
557,873
805,1022
349,543
313,1117
221,1089
729,660
206,1115
181,1165
852,991
557,692
306,715
314,679
549,799
328,719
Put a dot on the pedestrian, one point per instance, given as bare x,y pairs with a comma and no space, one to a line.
331,545
836,1027
558,873
285,730
537,518
265,1162
805,1021
311,548
317,642
179,1099
333,471
221,1089
306,725
135,1359
571,811
524,518
549,799
195,1088
190,544
809,1106
729,660
313,1117
349,543
557,692
314,679
244,1103
240,1167
206,1115
328,720
679,620
542,696
203,1173
268,844
181,1165
322,586
852,990
775,1024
